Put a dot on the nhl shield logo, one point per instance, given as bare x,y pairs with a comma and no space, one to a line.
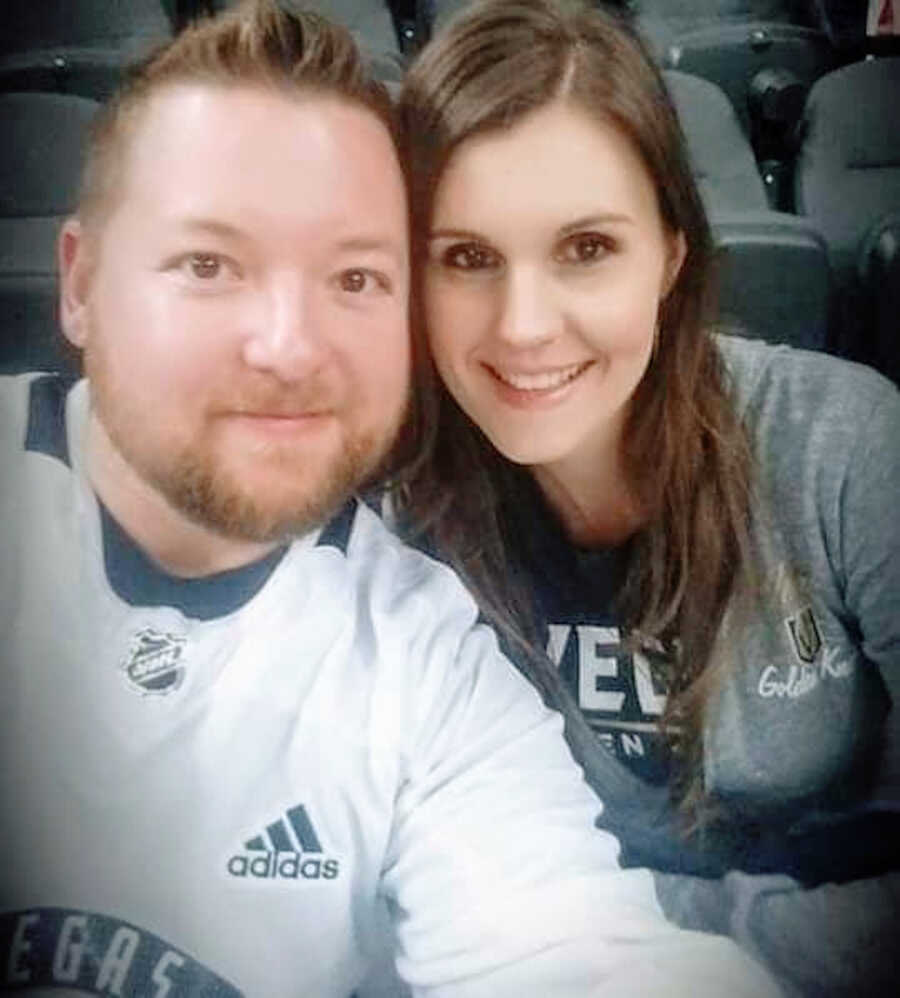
155,661
805,636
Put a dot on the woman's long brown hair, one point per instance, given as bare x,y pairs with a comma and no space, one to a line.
685,453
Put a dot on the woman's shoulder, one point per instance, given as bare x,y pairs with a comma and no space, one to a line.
805,392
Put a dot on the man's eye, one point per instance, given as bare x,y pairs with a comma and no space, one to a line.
586,247
358,280
204,266
200,267
469,256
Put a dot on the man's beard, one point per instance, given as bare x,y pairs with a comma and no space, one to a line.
200,484
212,497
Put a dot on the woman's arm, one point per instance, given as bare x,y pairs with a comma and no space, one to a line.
828,941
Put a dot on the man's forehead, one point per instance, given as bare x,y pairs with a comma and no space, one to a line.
198,149
179,111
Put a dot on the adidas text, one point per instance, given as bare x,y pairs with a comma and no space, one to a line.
283,866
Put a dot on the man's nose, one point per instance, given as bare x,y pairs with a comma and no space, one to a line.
288,337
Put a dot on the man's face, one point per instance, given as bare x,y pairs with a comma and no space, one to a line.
244,317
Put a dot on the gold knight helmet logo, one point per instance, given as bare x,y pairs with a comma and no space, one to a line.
805,636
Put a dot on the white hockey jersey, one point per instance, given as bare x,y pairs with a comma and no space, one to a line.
208,784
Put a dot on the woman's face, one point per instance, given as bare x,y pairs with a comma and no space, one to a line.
546,265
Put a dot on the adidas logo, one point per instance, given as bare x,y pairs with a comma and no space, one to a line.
289,849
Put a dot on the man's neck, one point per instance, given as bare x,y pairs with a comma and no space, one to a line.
175,543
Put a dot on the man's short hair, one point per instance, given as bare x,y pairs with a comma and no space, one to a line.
256,43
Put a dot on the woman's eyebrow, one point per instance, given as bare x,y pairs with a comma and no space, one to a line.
602,218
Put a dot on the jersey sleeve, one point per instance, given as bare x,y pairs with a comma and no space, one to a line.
497,879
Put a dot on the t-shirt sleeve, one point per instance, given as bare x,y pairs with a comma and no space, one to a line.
871,532
870,555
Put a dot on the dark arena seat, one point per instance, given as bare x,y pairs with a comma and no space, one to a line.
848,168
774,276
848,176
39,169
77,46
878,272
766,70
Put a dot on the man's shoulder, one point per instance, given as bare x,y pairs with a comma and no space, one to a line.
33,413
386,567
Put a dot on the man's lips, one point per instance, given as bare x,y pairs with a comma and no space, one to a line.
275,423
279,415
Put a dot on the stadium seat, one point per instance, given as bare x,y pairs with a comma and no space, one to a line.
77,46
848,177
734,55
858,27
723,162
848,168
878,273
39,169
661,21
774,276
765,69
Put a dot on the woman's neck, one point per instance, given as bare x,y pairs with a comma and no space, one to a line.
592,497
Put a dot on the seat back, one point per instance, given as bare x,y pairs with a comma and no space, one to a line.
879,280
40,165
722,160
848,168
774,278
774,275
77,46
738,56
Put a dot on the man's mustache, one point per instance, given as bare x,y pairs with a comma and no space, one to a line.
312,396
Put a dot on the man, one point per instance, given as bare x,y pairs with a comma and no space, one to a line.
236,713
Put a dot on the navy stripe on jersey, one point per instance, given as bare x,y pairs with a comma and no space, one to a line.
66,948
336,533
46,432
137,581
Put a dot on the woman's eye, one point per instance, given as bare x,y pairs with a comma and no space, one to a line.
353,281
585,247
469,256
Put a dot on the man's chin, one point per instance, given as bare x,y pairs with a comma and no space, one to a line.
240,518
267,505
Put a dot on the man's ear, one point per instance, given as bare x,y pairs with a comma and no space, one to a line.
75,268
677,253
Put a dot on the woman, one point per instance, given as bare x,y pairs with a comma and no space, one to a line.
697,530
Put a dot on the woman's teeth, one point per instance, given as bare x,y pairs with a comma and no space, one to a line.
542,380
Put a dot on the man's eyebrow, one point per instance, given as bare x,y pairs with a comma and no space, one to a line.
369,244
212,227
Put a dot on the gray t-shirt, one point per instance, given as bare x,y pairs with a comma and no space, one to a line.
818,659
818,672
